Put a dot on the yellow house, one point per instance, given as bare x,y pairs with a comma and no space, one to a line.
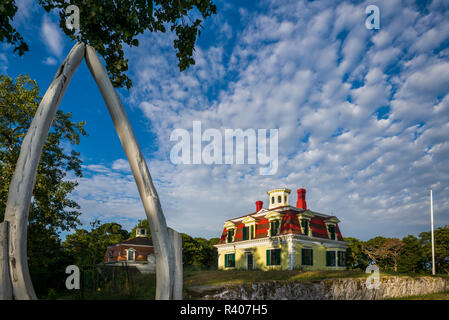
282,237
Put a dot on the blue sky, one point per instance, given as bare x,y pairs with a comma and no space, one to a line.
363,115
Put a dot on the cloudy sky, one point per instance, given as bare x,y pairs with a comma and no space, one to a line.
363,115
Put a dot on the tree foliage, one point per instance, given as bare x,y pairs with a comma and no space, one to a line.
108,25
199,252
87,248
441,248
51,209
411,254
50,206
8,33
355,257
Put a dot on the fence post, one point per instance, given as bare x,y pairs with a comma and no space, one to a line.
5,277
176,241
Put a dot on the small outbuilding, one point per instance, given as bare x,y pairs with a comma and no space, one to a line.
136,252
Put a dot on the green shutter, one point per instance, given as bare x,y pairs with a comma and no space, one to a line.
303,256
226,260
278,256
268,258
245,233
233,260
311,257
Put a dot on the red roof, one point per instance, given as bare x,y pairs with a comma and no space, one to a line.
289,225
141,241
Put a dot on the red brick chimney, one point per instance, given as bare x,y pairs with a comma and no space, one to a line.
301,203
259,205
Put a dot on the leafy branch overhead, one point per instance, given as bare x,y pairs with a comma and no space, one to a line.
107,25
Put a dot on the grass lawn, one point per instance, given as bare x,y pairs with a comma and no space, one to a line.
215,277
144,286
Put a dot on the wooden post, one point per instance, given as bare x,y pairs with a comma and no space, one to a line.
163,248
5,278
177,264
22,182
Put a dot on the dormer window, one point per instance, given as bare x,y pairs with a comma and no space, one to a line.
331,230
274,228
279,199
230,236
304,221
245,233
305,226
248,232
331,225
272,200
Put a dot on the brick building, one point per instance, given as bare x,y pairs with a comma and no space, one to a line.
135,252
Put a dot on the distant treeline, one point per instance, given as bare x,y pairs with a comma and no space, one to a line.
409,254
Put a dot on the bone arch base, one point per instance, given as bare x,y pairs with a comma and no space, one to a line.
15,280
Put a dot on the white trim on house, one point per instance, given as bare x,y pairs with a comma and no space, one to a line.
277,240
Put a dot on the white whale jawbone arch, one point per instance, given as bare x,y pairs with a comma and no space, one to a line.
163,246
22,182
167,246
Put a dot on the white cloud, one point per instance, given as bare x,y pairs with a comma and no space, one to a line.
312,70
50,61
3,63
52,36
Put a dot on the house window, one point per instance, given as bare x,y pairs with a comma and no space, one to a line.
131,254
274,257
279,199
230,235
305,226
272,200
307,256
331,230
230,260
245,233
341,258
252,233
274,228
110,254
248,232
285,199
330,258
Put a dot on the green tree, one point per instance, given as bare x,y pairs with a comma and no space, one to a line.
441,236
355,257
384,252
108,25
412,255
199,252
88,248
51,209
7,33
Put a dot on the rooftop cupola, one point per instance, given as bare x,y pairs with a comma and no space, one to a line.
278,198
141,232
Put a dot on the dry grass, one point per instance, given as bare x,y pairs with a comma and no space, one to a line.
198,278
